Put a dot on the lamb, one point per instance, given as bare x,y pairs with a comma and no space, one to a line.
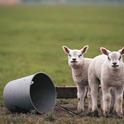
79,66
107,69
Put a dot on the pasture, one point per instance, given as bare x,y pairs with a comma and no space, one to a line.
31,39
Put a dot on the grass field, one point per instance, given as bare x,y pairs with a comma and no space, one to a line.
31,38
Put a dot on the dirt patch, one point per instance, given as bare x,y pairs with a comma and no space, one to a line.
65,112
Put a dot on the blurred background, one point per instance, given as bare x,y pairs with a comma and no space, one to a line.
11,2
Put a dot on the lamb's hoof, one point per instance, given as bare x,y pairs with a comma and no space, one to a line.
80,111
93,114
119,115
83,114
107,114
112,110
89,114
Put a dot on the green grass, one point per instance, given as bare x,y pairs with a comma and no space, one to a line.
31,38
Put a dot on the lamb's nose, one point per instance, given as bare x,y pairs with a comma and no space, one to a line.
74,59
114,63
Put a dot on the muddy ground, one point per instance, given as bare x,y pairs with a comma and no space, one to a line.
65,112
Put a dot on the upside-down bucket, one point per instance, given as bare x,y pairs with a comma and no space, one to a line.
35,92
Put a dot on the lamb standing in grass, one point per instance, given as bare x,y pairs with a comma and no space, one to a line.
109,70
79,66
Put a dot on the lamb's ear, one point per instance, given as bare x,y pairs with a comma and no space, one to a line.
66,49
104,51
84,49
121,51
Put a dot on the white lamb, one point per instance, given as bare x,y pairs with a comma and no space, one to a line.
79,66
109,70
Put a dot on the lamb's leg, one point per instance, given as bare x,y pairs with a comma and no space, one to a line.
119,101
106,100
78,94
112,109
89,100
100,98
93,83
81,94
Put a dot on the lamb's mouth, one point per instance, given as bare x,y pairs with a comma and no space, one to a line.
74,62
115,66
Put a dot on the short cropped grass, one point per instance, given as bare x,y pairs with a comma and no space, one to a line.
31,39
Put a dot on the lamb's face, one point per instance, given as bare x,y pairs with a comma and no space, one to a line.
114,59
75,57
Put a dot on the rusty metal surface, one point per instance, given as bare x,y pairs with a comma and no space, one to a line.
66,92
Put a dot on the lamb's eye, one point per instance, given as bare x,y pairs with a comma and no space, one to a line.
119,58
69,55
109,58
80,55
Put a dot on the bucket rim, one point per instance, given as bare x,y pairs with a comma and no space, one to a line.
35,108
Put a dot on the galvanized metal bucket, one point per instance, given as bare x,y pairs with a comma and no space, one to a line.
35,92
